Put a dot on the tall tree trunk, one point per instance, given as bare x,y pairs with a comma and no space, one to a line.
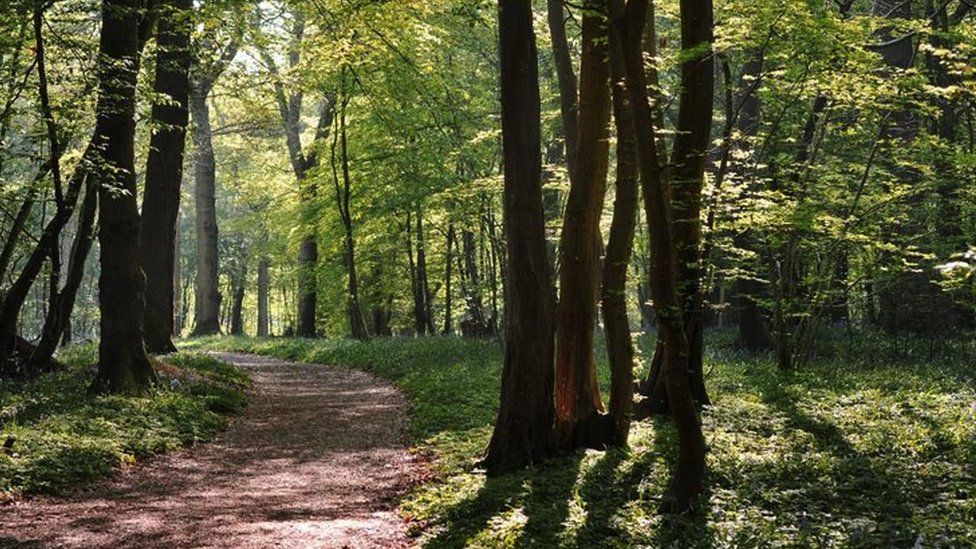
566,77
695,29
620,347
416,286
422,280
525,415
475,324
357,324
578,403
264,281
164,172
448,276
123,365
237,307
179,313
207,294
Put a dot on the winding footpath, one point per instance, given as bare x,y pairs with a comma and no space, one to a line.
318,460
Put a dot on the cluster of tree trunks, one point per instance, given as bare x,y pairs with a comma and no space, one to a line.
550,398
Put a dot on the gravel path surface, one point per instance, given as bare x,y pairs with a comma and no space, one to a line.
318,460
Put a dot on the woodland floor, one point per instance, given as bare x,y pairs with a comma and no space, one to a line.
319,459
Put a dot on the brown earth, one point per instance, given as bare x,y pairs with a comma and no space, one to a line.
318,460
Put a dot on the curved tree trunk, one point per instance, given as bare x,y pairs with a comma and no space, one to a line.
696,28
164,173
57,324
524,421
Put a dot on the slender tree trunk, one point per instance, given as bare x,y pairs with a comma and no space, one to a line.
263,286
16,295
419,324
423,283
164,172
207,296
357,324
475,324
57,322
566,77
620,347
448,276
522,428
578,402
179,312
237,308
696,28
123,365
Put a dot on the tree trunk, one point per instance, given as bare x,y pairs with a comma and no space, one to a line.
696,28
123,365
164,172
448,276
263,286
422,281
237,309
16,295
474,324
578,402
207,295
525,415
566,76
357,324
620,346
56,325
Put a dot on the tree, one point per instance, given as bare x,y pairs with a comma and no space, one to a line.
694,111
524,422
164,171
578,402
123,365
203,75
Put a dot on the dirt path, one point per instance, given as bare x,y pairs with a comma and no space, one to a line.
317,460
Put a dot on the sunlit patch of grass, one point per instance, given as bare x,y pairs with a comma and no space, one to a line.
60,435
872,444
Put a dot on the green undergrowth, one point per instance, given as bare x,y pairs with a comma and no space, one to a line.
872,444
60,436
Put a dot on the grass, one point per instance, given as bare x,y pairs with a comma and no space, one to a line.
873,444
61,436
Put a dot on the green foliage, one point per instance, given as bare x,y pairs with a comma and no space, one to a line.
872,445
63,436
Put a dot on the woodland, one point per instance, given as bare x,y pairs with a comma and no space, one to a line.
656,273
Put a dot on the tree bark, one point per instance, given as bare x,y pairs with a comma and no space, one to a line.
357,324
620,347
57,323
164,172
629,19
448,279
566,77
264,281
207,293
578,402
525,415
237,308
123,365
